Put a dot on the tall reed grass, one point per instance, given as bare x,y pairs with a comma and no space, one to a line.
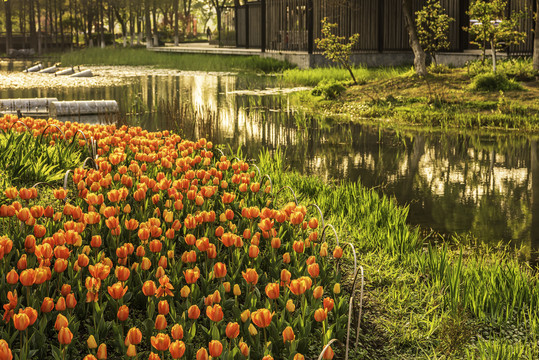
311,77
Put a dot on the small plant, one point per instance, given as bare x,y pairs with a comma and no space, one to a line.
335,49
494,82
433,28
328,89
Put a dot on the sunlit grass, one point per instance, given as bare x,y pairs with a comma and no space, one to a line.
191,62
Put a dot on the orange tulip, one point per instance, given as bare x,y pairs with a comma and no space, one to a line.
28,277
318,292
285,277
61,321
328,303
251,276
134,336
131,351
163,307
99,271
216,348
320,315
193,312
219,270
298,246
244,349
177,349
65,336
328,354
215,313
337,253
12,277
161,342
202,354
232,330
177,332
60,265
314,270
272,290
149,288
297,287
191,276
288,334
165,286
71,302
262,318
123,313
47,305
117,291
122,273
160,322
5,351
102,352
96,241
253,251
21,321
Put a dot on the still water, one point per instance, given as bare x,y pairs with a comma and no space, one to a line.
457,182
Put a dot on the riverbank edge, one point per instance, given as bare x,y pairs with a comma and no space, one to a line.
419,298
434,102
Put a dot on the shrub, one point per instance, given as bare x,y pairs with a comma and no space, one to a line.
494,82
328,89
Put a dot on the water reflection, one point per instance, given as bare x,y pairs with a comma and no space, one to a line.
487,184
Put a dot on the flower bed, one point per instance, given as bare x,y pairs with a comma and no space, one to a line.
158,248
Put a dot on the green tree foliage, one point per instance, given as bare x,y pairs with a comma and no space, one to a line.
335,47
433,28
493,26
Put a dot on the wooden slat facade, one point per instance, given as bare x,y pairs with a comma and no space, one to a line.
380,23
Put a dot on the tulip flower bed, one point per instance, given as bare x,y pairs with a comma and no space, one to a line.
161,248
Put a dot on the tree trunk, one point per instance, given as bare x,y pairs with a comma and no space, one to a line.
39,39
536,40
147,24
419,55
176,25
218,11
154,17
9,26
32,20
493,50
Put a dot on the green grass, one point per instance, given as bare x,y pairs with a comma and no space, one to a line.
311,77
423,301
191,62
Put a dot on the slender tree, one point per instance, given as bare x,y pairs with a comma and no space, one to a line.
494,27
9,26
433,28
419,55
536,39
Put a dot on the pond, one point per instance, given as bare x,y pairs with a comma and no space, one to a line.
484,184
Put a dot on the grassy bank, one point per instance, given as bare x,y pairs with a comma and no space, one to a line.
464,97
191,62
424,302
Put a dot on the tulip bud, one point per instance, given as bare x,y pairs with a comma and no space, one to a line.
244,349
237,290
102,352
252,330
337,288
245,315
290,306
91,342
185,291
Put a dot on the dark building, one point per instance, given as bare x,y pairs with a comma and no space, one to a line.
293,25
